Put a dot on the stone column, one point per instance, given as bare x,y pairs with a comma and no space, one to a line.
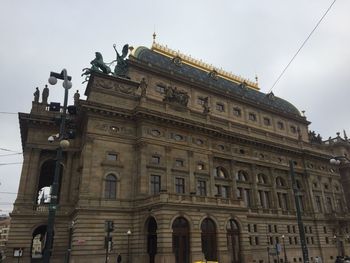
30,175
274,198
142,176
191,169
84,189
169,164
212,190
255,197
66,179
233,171
164,242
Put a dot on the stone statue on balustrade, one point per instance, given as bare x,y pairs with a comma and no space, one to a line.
36,95
45,95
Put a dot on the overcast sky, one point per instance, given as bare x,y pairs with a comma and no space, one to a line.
245,37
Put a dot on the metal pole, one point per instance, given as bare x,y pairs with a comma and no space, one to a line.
285,252
56,180
69,242
128,248
107,247
299,219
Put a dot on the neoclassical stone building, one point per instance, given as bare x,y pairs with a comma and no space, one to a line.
194,161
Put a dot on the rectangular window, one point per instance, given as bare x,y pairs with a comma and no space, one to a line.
201,187
180,185
237,112
224,191
329,204
255,228
112,156
288,228
220,107
250,241
256,240
285,201
327,240
270,228
267,121
155,184
248,227
252,116
239,193
290,240
280,125
275,227
296,240
200,101
339,205
246,197
179,163
160,89
293,129
325,230
155,159
271,240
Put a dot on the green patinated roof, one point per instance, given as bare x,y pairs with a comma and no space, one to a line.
228,87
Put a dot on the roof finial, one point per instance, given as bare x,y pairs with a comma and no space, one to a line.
256,78
154,37
345,136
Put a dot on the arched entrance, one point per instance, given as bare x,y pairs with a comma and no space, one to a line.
181,240
38,243
209,247
233,241
151,238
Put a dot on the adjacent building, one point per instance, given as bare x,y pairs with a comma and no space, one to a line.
189,162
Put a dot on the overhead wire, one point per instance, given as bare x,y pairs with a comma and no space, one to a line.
10,154
3,164
313,30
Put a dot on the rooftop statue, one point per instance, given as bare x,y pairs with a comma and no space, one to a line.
121,68
98,65
36,95
45,95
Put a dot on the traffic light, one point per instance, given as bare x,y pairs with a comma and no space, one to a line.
109,226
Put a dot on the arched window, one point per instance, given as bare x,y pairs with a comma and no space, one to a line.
298,184
233,241
242,176
208,236
151,238
47,173
221,172
261,179
181,240
280,181
111,187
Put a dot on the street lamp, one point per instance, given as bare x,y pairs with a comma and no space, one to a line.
299,219
67,84
128,233
284,250
339,159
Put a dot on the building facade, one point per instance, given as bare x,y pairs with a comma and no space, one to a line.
189,162
4,233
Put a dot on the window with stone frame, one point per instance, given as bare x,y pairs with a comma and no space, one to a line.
179,185
155,159
179,163
200,100
111,187
111,156
201,187
222,190
220,107
293,129
318,203
155,184
160,89
237,112
280,125
280,182
252,116
267,121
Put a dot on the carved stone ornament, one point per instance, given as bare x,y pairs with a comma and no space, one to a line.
173,95
114,129
112,85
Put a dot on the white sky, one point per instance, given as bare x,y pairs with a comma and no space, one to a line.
246,37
